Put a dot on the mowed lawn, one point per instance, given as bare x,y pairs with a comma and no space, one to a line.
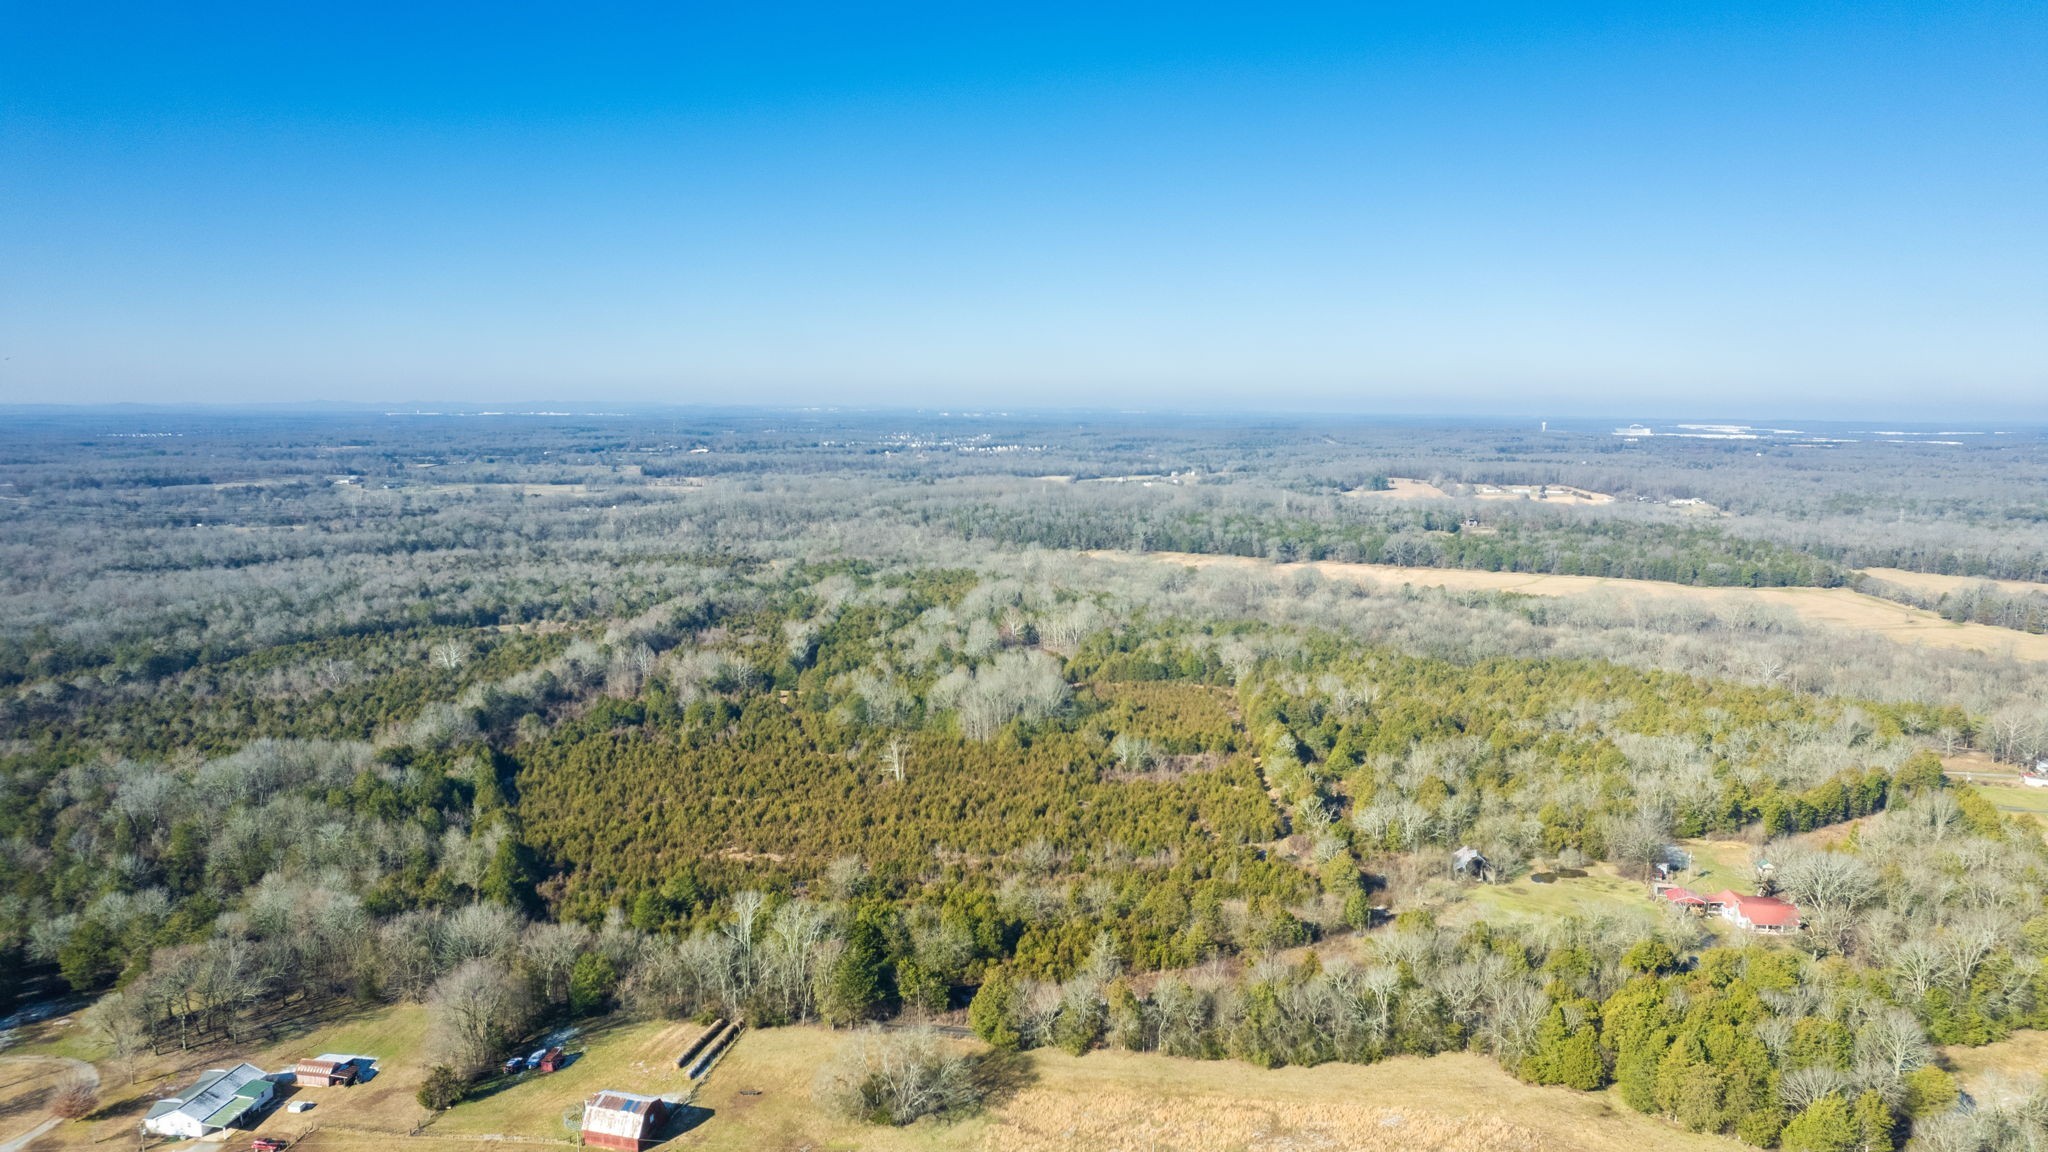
396,1036
638,1057
760,1099
1719,864
1600,891
2019,799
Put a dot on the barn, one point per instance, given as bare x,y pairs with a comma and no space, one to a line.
625,1121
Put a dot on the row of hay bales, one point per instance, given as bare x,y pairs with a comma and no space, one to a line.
699,1056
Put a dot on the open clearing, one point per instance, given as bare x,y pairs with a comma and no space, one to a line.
2001,1072
758,1099
1828,607
1546,493
634,1057
1124,1102
1932,584
1601,891
1402,488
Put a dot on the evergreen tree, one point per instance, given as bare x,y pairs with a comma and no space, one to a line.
509,879
857,988
592,981
993,1013
1825,1126
1876,1125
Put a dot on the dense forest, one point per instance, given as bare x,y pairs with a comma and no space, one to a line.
818,717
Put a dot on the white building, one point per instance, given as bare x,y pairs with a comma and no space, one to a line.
219,1099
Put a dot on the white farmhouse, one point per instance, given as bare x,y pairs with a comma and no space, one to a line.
219,1099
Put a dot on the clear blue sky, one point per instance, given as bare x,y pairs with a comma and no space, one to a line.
1647,207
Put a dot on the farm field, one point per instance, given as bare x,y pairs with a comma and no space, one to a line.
1828,607
1402,488
1935,584
1118,1101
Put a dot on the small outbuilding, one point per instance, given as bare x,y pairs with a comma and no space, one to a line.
624,1121
324,1072
1683,898
1467,861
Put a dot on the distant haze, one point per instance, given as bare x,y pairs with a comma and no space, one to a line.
1648,210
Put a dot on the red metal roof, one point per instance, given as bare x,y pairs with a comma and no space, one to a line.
1679,895
1767,910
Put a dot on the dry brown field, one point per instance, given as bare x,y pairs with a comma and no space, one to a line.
1932,584
1126,1102
2002,1072
1402,488
1840,608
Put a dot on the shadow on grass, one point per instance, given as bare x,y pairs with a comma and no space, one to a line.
998,1076
685,1117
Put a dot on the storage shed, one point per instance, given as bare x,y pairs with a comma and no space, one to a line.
625,1121
324,1073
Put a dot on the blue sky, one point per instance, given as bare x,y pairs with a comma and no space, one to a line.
1638,208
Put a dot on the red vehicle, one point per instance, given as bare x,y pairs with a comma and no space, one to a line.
551,1060
267,1144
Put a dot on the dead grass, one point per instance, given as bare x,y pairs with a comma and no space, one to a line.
1998,1072
1402,488
1123,1101
759,1099
1840,608
1116,1101
1933,584
27,1087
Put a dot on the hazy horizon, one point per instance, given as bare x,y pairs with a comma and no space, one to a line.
1563,212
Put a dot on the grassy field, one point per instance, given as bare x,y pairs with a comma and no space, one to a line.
633,1057
1123,1102
397,1036
2000,1072
1600,891
759,1098
1932,584
1841,608
2020,799
1719,864
27,1084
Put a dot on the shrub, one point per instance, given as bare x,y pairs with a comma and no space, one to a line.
443,1089
75,1101
897,1077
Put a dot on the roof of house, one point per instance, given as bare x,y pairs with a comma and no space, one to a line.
1766,910
1679,895
218,1092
